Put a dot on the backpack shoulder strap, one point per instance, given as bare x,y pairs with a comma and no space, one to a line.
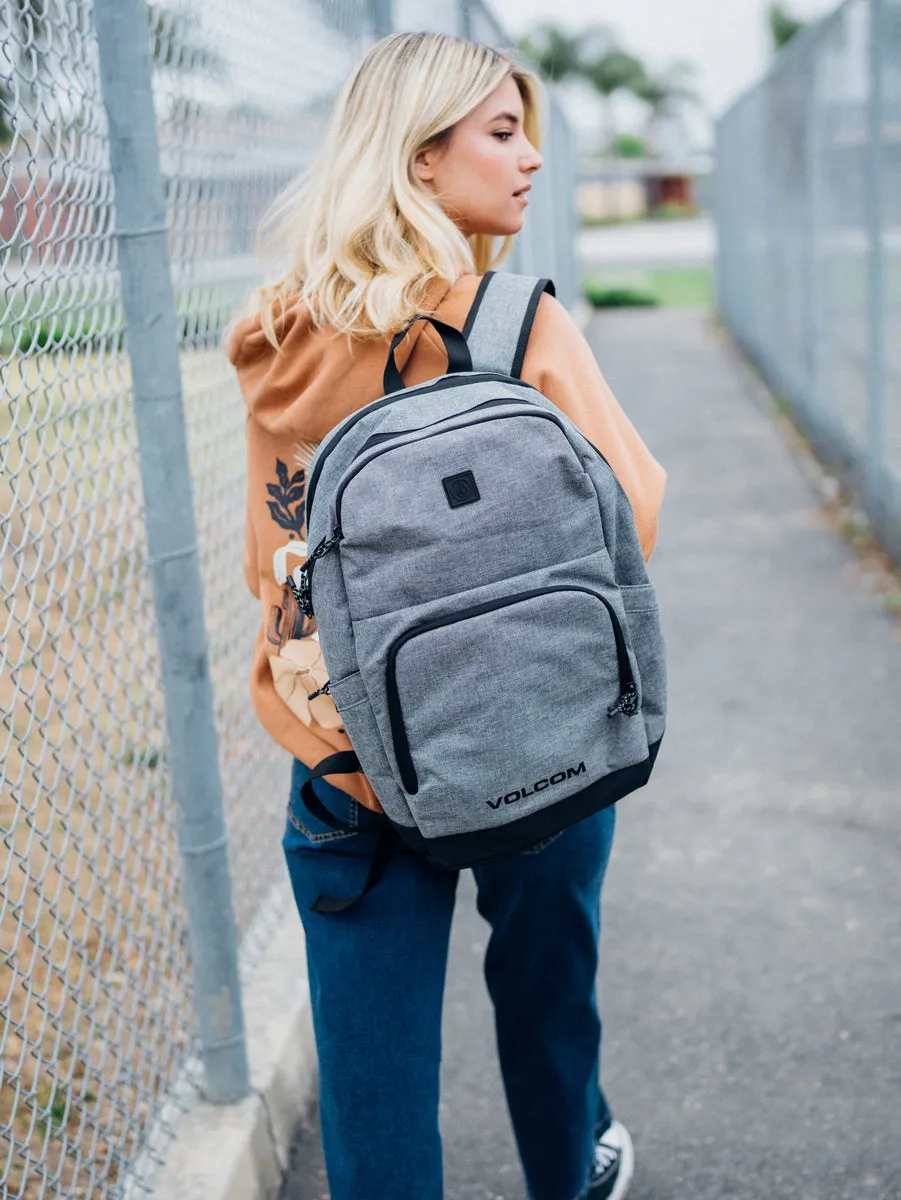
500,320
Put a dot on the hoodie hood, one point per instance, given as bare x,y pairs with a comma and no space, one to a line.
316,377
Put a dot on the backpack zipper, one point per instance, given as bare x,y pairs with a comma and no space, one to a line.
301,589
445,383
626,704
377,438
354,470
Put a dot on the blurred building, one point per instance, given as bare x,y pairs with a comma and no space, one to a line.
631,188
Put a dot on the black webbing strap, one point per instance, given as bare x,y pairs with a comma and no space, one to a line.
477,303
542,286
384,848
458,357
345,762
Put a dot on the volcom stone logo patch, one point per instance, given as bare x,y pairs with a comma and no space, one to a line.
461,489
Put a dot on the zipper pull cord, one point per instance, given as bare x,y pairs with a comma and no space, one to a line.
627,704
302,592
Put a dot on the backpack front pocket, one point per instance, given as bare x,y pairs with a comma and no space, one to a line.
507,706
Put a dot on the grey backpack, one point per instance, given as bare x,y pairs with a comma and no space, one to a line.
492,639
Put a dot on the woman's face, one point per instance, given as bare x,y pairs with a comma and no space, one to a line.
482,172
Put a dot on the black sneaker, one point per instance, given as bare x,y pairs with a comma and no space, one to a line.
614,1164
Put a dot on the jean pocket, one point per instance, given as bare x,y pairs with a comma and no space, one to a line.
342,806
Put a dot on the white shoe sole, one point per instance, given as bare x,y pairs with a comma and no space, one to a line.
627,1164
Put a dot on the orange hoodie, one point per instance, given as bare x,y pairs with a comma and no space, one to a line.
296,396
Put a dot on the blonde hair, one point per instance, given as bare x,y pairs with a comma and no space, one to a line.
362,237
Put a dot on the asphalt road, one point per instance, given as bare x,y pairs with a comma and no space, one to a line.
751,954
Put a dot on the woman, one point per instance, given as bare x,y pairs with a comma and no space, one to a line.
426,163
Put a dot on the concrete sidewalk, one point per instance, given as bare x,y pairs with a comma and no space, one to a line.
751,958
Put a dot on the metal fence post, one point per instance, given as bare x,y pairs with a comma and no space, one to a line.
465,20
142,238
875,165
382,17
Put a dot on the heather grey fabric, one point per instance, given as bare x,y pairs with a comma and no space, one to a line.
472,649
494,335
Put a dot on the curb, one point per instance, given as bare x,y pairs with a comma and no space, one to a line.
239,1151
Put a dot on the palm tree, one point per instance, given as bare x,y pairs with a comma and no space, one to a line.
614,71
560,55
666,94
554,52
783,25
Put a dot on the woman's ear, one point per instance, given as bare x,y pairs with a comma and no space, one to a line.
424,165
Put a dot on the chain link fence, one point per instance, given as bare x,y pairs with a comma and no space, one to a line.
96,987
809,211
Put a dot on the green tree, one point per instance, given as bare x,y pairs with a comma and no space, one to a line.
555,53
613,71
783,25
560,55
630,146
666,94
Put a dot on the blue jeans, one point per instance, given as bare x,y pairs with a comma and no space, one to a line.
377,976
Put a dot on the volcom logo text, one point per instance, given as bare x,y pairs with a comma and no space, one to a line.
539,786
